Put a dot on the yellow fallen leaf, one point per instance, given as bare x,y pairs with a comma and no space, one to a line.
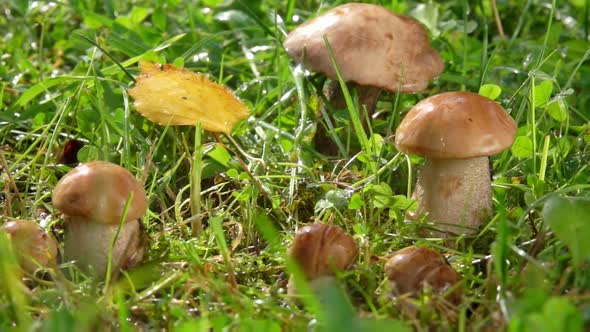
176,96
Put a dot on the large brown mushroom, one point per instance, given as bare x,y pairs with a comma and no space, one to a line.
456,132
411,269
321,249
374,49
92,198
33,247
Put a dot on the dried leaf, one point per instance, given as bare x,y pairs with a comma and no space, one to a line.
176,96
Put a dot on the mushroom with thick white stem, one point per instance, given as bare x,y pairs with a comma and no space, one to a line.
92,198
32,246
456,132
374,49
321,249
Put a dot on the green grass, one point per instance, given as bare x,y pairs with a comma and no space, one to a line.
64,73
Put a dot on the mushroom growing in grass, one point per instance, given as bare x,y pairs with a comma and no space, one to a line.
411,269
456,132
33,247
321,249
92,198
374,48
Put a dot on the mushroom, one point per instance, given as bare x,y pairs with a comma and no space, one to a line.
410,269
92,198
374,48
33,247
320,249
456,132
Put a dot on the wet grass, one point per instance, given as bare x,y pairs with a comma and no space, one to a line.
64,74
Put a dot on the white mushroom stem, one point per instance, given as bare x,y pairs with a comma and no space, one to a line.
456,194
88,244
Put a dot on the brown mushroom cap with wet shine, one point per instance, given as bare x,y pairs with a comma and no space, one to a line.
455,131
372,47
456,125
92,198
412,268
98,191
33,247
320,249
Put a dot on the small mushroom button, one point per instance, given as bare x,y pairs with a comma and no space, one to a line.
92,199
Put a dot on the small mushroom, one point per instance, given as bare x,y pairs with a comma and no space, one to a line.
374,48
320,249
412,268
456,132
33,247
92,198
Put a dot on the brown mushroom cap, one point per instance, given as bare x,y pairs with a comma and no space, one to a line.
31,244
98,191
321,248
456,125
371,45
411,268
